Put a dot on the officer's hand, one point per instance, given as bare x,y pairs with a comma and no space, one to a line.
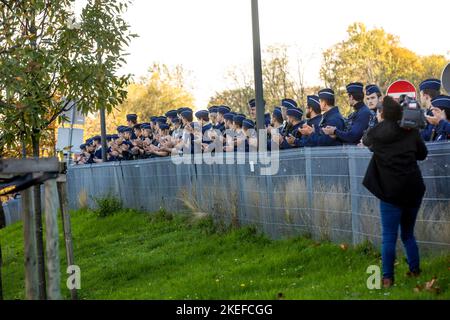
306,130
290,139
437,116
328,130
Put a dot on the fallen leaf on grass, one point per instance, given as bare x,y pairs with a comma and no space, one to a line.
430,286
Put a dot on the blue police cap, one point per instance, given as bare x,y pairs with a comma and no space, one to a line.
277,113
355,87
252,103
131,117
164,126
115,136
120,129
202,114
295,112
313,101
179,111
186,113
137,126
175,120
89,141
108,137
213,109
289,103
441,102
326,94
434,84
161,119
97,138
171,114
229,116
371,89
127,129
248,124
145,126
153,119
239,118
83,146
223,109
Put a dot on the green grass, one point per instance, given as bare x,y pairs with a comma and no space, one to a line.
131,255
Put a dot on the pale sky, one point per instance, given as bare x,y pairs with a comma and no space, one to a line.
208,37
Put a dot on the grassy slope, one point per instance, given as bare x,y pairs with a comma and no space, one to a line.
136,256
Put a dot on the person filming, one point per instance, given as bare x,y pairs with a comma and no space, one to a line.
394,177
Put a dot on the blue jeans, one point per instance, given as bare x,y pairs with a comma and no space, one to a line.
393,217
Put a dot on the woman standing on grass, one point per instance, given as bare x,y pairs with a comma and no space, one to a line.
394,177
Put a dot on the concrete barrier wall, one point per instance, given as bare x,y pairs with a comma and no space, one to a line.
316,191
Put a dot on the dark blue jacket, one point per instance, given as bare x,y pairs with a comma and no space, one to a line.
330,118
427,132
357,123
220,126
98,154
443,131
294,132
313,122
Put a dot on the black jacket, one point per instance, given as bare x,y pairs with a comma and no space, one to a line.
393,174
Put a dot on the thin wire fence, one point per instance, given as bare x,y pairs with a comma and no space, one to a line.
316,191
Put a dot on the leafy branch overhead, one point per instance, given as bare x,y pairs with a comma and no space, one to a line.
48,59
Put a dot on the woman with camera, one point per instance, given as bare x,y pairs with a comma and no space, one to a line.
394,177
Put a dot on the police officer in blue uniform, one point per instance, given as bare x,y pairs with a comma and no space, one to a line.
429,89
312,124
373,98
220,120
132,121
358,122
287,104
439,120
331,117
294,116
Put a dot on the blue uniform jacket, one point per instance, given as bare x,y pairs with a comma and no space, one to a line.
427,132
313,122
443,131
357,123
220,126
330,118
293,131
98,154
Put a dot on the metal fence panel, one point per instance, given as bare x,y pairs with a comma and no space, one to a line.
317,191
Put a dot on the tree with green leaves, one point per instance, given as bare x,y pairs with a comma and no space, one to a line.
164,88
47,60
278,79
374,57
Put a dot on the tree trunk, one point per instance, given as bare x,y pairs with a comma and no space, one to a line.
35,137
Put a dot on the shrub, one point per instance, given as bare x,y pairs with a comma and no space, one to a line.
106,206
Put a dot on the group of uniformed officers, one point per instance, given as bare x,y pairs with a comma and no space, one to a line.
320,123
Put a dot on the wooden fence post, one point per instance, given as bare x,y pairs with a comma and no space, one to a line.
52,239
30,251
65,217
